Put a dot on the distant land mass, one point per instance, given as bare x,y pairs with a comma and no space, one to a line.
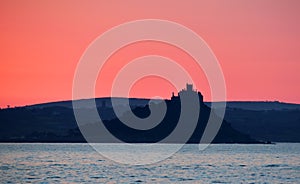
245,105
244,122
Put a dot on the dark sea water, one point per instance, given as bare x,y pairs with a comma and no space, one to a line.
220,163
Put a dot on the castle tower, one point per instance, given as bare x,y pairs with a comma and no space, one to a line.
189,87
189,91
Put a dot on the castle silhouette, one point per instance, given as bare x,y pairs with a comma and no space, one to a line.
189,91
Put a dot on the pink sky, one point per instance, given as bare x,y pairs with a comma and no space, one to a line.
256,42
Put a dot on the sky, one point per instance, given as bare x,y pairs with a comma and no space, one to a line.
256,43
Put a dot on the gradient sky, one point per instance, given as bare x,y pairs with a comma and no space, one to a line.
257,43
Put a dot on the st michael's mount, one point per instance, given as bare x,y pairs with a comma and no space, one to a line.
226,133
56,123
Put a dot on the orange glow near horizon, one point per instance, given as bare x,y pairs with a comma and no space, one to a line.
256,42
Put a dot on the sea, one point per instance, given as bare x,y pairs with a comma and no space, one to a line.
218,163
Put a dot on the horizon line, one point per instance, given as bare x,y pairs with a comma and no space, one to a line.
143,98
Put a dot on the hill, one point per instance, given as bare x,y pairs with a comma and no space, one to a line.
55,122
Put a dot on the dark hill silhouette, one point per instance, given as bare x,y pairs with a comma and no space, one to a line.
262,120
274,125
57,124
226,133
